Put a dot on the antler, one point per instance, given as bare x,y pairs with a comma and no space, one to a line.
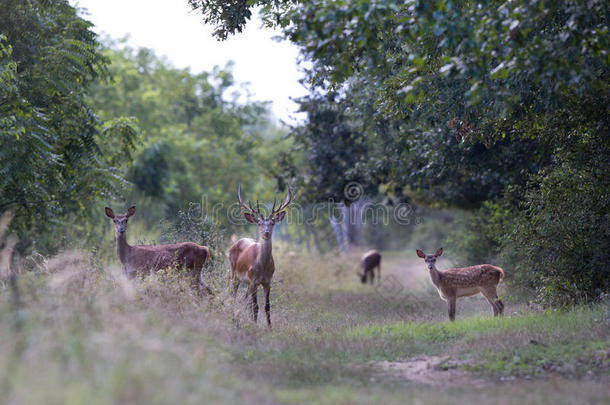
284,204
243,206
257,211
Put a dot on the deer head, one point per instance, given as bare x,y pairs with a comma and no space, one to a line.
120,221
430,259
265,224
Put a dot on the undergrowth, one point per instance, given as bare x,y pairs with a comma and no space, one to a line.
81,332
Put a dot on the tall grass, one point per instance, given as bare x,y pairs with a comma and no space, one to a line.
90,335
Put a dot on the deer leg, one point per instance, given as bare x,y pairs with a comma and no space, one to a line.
371,276
500,305
494,301
254,302
490,298
379,274
267,290
197,284
235,286
451,301
202,284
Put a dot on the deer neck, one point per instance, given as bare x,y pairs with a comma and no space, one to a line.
265,255
435,276
122,247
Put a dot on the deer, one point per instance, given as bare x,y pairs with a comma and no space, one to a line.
143,260
251,261
464,282
370,260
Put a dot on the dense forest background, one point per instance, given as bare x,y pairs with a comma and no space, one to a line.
491,120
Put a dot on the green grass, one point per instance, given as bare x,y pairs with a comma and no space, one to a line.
89,336
524,344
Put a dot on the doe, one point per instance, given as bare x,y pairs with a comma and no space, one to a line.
370,260
142,260
464,282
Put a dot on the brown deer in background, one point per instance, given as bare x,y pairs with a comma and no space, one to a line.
142,260
370,260
251,261
464,282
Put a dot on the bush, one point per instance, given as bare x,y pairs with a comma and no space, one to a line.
563,233
478,237
193,225
431,230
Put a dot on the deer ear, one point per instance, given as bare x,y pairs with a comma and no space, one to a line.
131,211
420,253
279,216
439,252
250,218
109,213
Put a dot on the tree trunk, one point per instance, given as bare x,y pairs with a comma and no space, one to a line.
352,223
336,225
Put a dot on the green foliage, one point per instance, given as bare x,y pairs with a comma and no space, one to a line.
479,236
228,16
426,72
75,119
197,143
563,233
50,148
465,103
231,16
496,53
151,171
333,148
498,107
118,139
432,232
192,224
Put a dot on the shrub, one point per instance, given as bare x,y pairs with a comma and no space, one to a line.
563,233
478,237
193,225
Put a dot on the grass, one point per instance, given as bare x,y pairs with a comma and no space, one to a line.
83,333
525,344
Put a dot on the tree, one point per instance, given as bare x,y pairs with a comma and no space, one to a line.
335,152
474,102
197,144
231,16
49,135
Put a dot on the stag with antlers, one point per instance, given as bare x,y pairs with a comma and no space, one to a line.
251,261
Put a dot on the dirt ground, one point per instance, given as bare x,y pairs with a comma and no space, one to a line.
430,370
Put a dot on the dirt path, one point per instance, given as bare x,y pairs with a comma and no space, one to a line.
430,370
